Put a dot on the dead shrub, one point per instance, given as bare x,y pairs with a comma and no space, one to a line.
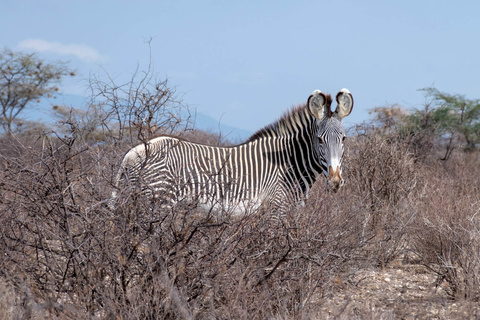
381,181
448,234
256,266
53,224
82,260
67,255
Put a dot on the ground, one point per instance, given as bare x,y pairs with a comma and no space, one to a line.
404,290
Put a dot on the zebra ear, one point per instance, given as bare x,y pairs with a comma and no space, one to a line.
344,103
317,104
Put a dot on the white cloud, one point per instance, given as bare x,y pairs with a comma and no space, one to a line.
81,51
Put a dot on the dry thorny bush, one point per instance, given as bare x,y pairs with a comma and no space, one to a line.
382,183
427,206
65,254
68,255
448,235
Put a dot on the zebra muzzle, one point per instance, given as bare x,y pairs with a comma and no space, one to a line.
334,178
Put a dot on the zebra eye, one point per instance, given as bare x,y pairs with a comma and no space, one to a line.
343,139
321,140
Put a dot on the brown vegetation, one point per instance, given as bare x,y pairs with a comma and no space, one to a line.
403,215
66,255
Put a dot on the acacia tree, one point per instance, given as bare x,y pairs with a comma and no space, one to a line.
449,117
24,80
446,120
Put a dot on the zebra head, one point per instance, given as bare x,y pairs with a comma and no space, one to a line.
329,134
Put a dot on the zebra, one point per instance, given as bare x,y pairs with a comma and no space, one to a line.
277,166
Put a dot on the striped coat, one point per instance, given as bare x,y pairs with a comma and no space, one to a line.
277,166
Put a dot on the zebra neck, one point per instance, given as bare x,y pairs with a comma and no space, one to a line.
303,168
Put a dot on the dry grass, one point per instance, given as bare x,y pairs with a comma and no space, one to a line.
66,255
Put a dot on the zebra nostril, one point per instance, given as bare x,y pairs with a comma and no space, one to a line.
342,182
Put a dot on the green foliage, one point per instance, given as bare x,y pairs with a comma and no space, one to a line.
448,116
446,121
24,80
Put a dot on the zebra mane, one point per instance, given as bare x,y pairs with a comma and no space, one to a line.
289,122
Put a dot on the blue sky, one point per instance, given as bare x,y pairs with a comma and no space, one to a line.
246,62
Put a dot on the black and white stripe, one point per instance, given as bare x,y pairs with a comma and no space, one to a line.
276,166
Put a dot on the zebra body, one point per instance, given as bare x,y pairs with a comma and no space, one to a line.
277,166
